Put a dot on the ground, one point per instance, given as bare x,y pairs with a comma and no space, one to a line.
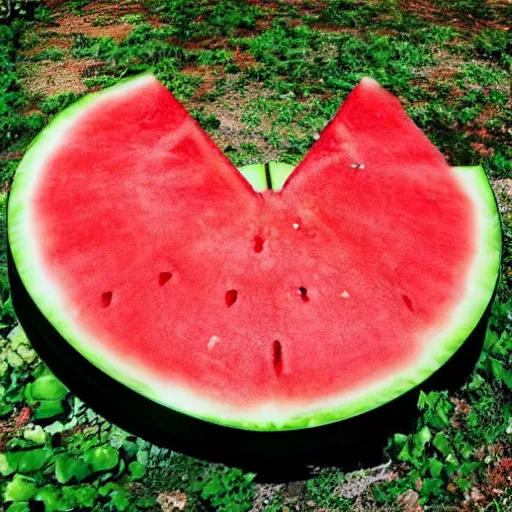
263,78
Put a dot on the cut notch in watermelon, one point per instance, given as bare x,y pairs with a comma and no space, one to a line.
251,309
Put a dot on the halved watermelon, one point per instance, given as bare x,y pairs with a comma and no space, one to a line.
268,310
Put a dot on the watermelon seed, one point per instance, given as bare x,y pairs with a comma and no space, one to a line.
258,244
231,296
106,299
358,166
164,277
213,341
361,166
408,302
345,294
277,357
304,294
354,166
296,225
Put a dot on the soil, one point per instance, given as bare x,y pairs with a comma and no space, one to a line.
50,78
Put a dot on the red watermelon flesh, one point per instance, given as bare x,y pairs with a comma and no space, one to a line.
155,258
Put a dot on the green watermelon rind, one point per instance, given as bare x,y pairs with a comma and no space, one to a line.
255,175
440,346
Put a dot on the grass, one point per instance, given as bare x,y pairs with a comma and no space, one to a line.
263,79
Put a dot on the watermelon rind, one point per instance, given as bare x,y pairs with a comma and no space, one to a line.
255,174
440,344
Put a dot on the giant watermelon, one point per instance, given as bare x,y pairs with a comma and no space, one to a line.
145,267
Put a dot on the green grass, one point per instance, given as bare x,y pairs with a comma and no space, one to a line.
205,19
54,54
300,63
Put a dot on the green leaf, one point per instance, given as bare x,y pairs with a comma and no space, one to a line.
476,382
420,440
500,372
120,499
51,498
5,409
491,339
14,360
472,419
33,460
20,506
48,387
19,489
36,435
452,459
212,488
102,458
68,497
399,439
86,496
49,409
432,487
121,467
437,408
130,448
143,457
9,462
137,470
67,468
463,484
442,444
451,468
106,489
405,453
424,401
469,468
435,467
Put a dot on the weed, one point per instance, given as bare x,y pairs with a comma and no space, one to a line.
477,9
213,57
132,18
10,9
54,104
320,490
76,6
43,14
483,75
350,13
494,44
202,19
208,121
54,54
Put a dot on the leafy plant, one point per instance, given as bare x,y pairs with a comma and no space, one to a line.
10,9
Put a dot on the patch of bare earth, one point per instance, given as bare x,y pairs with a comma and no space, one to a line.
210,43
49,78
70,24
172,501
233,131
264,494
243,59
62,43
464,21
446,67
208,74
503,186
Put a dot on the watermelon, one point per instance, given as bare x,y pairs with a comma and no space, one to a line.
140,253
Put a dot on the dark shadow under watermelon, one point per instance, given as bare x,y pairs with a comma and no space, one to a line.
273,455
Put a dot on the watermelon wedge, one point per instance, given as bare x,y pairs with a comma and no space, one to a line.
352,282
